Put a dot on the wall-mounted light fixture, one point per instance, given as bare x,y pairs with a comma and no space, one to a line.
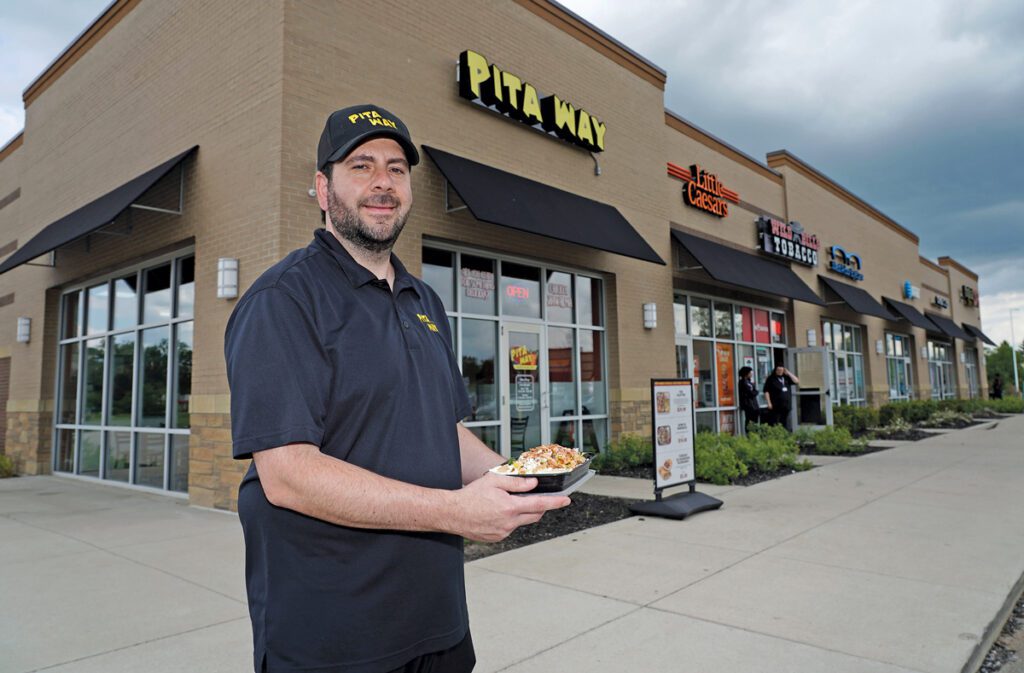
227,278
24,330
879,346
650,315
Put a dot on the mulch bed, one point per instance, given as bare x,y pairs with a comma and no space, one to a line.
912,435
586,511
959,425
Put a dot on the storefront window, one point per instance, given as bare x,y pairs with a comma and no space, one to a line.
563,323
439,274
589,301
971,369
846,362
594,388
119,449
723,321
941,371
156,304
558,297
562,371
476,278
778,328
479,354
119,368
898,353
97,309
700,317
126,304
761,328
679,317
186,287
704,372
714,363
119,401
72,309
520,290
182,379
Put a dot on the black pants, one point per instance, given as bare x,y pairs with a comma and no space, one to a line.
779,416
753,416
458,659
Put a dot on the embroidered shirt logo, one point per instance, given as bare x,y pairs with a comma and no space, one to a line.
428,322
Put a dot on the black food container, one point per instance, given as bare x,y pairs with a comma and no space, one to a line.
554,483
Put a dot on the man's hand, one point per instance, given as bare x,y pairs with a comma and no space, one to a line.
488,513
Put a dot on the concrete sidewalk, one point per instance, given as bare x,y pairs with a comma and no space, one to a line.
893,561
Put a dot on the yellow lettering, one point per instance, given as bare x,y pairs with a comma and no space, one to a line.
513,85
352,118
599,130
583,127
473,71
559,117
496,84
531,106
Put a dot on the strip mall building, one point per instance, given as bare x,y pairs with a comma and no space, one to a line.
583,238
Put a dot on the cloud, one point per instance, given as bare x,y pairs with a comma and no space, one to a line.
995,316
914,107
32,35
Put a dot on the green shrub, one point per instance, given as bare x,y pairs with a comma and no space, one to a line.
896,427
947,418
912,411
804,437
833,441
855,419
1007,405
631,450
768,449
715,458
6,467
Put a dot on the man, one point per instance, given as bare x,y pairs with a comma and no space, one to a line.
347,396
778,390
997,388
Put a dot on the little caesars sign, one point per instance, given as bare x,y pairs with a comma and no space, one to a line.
518,99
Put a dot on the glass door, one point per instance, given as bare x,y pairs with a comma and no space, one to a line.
525,398
971,367
813,405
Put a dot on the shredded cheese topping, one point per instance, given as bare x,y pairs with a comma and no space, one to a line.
545,459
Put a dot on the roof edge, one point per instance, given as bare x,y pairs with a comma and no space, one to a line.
78,47
679,123
12,144
576,26
949,261
785,157
929,263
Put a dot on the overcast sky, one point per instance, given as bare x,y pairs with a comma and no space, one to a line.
916,107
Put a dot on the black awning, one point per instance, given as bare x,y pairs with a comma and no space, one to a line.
91,216
910,314
498,197
978,334
949,328
857,299
735,267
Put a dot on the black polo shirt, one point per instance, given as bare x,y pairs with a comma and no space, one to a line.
779,390
320,351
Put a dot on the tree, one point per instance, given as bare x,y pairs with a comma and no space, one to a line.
999,360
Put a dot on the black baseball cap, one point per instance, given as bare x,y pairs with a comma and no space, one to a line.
350,127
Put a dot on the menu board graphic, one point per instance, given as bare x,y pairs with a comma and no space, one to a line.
672,403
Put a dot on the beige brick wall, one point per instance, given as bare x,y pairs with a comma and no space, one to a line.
168,76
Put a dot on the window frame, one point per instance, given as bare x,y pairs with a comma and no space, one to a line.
104,427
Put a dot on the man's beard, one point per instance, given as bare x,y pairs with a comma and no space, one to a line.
350,227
